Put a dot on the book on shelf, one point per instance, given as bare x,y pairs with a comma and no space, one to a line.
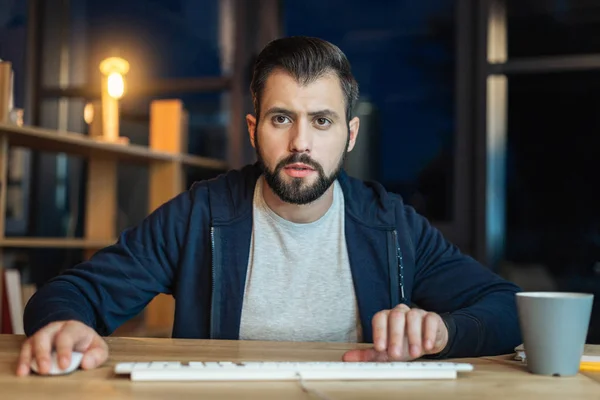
14,295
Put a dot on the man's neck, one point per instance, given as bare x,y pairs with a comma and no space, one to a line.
300,214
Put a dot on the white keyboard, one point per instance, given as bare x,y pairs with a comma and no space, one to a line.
271,371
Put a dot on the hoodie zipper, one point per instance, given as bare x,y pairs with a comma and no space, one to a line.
213,321
400,267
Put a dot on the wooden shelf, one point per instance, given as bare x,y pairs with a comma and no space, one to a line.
82,145
64,243
166,157
201,162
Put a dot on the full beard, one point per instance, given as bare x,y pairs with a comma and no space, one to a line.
298,191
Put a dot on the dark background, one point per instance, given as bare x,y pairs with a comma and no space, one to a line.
420,107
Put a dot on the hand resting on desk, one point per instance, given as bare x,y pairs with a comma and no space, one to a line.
403,334
400,334
64,337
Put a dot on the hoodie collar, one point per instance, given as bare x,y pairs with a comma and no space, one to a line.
231,197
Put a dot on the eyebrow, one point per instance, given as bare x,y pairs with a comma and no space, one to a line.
319,113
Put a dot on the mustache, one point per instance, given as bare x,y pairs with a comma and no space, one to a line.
298,158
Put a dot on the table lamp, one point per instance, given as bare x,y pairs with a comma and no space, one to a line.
113,70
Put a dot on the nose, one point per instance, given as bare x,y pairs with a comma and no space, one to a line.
300,138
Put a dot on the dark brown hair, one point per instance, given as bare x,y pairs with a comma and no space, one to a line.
306,59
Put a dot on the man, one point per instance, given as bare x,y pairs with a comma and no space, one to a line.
288,249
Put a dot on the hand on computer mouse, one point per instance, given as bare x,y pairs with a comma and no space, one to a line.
55,369
63,338
403,334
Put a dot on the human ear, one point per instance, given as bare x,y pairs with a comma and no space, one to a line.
251,123
353,126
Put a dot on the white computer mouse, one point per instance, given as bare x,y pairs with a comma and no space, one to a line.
76,358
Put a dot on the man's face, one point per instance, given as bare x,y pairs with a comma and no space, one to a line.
302,136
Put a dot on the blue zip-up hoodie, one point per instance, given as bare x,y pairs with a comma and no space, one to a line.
196,248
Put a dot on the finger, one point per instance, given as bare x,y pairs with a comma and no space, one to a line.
42,347
93,358
70,336
365,355
379,323
414,322
96,355
431,324
396,326
24,363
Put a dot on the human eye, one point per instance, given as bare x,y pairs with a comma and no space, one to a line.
280,119
323,122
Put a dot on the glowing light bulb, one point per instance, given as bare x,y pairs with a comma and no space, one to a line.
116,85
114,69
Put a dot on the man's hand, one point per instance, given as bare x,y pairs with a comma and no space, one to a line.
64,337
403,334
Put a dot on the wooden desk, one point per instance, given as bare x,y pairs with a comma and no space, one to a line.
493,378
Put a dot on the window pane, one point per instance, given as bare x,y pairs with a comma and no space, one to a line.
553,217
551,27
402,54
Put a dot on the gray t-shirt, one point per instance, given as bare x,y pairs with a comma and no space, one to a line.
299,286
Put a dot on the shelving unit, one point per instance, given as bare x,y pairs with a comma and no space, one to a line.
82,145
166,156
